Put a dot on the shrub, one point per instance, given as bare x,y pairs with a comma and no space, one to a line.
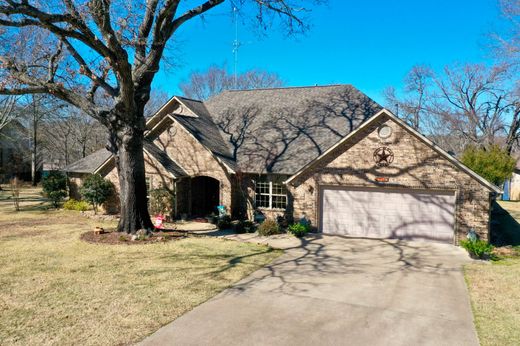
249,226
269,227
282,221
298,230
239,227
73,204
55,187
478,248
161,202
493,163
224,222
96,190
244,227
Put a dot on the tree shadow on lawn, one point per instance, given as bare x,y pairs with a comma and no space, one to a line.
505,229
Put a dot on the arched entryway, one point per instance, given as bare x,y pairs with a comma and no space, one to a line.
205,195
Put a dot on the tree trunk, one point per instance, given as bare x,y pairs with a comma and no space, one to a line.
132,183
511,139
34,150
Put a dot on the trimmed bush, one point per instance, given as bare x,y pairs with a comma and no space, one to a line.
96,190
269,227
478,248
298,230
55,187
73,204
161,202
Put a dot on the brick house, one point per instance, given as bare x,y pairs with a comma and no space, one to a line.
328,153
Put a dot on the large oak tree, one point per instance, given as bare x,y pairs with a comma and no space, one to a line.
102,56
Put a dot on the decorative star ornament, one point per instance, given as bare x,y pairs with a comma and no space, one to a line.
383,156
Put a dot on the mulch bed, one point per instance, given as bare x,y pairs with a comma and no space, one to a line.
116,238
507,251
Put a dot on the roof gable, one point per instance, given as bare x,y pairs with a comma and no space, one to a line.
409,129
176,105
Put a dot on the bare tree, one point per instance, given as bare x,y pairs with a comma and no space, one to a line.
203,85
411,107
37,109
157,99
8,110
466,104
84,51
472,101
67,135
506,40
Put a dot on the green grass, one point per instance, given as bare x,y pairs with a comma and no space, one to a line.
495,287
57,289
495,298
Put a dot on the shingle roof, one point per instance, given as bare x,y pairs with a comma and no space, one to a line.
276,130
89,163
285,128
163,158
92,162
205,130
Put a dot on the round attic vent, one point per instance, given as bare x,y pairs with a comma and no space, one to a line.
384,132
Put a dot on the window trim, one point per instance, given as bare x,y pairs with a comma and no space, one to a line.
270,195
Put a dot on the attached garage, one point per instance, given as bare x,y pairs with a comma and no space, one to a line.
388,213
386,180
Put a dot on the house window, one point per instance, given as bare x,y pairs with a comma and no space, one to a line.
271,195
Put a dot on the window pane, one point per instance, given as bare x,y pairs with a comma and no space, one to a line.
262,187
262,201
278,189
279,202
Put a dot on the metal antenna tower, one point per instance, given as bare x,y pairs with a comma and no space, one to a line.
236,46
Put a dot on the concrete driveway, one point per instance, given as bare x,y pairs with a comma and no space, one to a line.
339,291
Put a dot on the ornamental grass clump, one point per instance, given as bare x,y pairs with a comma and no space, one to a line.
269,227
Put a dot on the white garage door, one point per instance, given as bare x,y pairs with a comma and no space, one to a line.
377,213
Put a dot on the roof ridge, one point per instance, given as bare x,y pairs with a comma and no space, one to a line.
188,98
290,87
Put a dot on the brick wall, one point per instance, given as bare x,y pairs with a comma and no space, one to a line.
415,166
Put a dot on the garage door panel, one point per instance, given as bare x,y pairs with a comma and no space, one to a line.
388,214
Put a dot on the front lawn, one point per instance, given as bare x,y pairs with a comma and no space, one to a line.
57,289
495,297
495,287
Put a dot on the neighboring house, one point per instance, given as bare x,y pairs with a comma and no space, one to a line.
512,186
14,147
327,153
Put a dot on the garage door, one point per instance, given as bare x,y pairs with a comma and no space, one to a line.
377,213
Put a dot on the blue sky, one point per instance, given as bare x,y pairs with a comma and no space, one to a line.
370,44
